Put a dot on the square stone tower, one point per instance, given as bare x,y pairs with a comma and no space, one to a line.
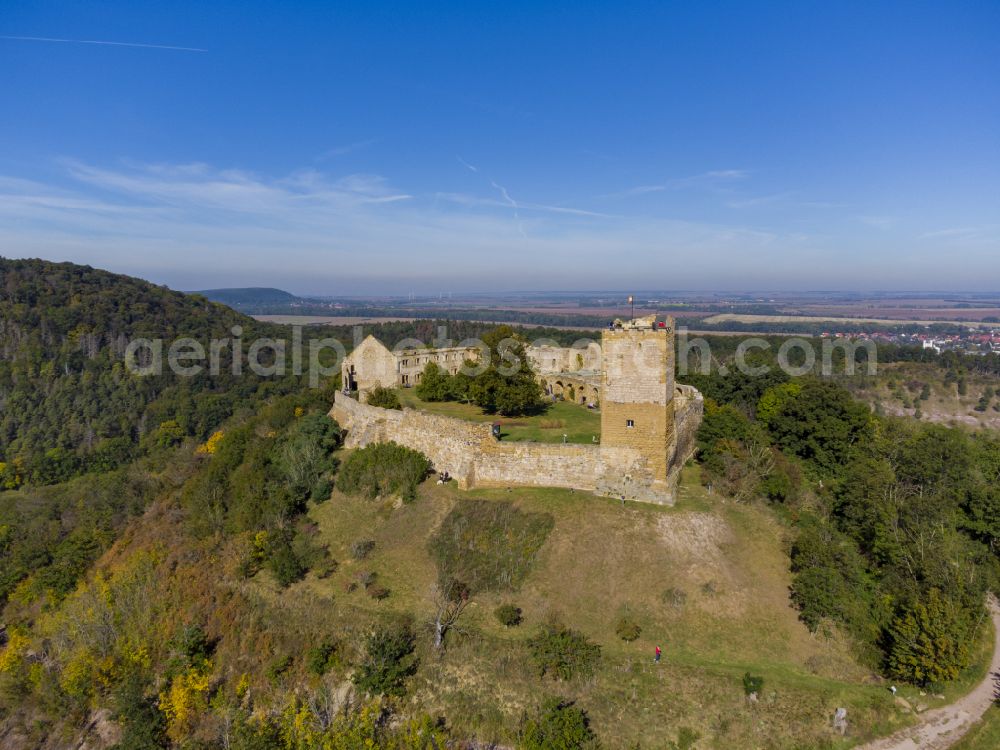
637,390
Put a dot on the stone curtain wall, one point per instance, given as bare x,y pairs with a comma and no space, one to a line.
689,406
468,452
450,444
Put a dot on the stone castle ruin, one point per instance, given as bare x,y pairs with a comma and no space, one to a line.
648,422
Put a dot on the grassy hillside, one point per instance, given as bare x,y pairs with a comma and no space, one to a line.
708,582
985,735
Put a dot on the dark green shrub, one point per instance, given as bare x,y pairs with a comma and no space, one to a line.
686,738
284,564
277,668
384,398
322,489
752,683
508,615
143,725
362,548
320,657
388,660
303,456
559,726
628,629
193,645
383,469
563,653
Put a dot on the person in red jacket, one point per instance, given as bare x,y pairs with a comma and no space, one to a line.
656,659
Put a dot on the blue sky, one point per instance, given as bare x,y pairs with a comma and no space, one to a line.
379,147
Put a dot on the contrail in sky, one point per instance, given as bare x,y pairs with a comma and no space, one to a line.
474,169
110,44
503,192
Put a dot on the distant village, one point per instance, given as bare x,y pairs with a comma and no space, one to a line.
975,341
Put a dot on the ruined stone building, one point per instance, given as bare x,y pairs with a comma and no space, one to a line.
648,422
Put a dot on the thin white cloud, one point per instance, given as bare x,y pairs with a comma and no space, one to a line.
986,236
760,200
643,189
879,222
711,179
727,174
472,200
235,190
103,43
349,148
952,232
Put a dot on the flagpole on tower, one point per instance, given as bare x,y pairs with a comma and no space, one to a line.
631,301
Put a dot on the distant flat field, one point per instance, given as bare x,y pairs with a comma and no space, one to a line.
330,320
344,320
732,318
899,312
609,312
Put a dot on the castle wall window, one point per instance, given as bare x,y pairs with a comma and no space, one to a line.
630,423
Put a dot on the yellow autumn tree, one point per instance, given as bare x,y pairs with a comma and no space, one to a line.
185,700
210,446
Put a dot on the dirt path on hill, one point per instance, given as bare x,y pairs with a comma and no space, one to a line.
942,727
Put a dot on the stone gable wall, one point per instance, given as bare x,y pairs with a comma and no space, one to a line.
373,365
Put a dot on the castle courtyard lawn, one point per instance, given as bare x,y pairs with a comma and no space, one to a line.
578,423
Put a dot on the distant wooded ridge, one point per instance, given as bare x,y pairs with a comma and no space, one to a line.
252,296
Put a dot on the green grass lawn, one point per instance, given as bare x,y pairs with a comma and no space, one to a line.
578,423
985,735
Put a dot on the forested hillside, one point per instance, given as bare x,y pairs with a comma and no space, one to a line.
68,404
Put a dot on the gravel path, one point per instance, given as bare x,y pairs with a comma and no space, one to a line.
943,727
